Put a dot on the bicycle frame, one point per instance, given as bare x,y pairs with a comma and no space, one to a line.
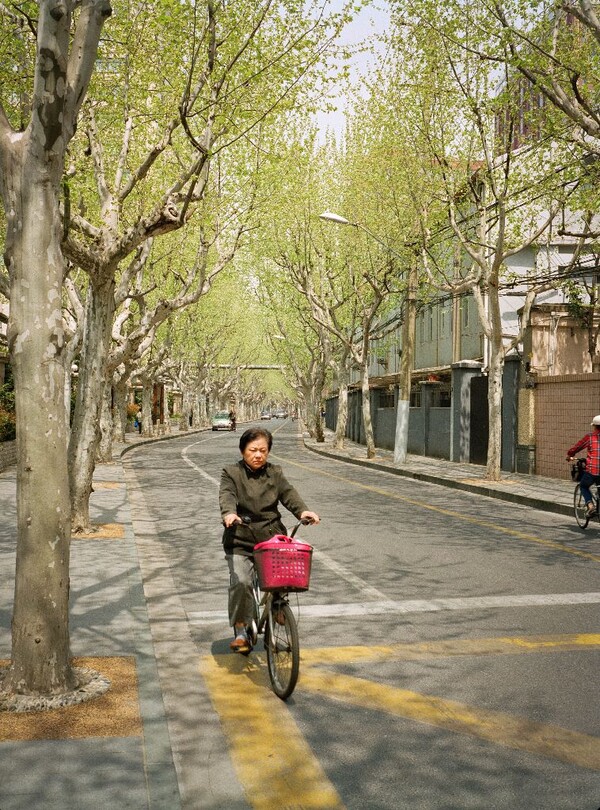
274,619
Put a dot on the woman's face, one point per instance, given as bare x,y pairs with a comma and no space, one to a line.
255,453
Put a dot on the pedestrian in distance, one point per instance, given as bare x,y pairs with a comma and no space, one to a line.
252,489
591,443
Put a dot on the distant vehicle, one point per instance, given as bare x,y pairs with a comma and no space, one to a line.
221,421
265,415
280,413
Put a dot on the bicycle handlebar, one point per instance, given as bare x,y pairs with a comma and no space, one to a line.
247,520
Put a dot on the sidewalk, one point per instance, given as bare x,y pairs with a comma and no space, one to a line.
116,752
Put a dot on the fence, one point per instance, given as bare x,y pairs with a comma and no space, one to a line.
453,432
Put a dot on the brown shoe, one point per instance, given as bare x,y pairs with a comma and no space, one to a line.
241,643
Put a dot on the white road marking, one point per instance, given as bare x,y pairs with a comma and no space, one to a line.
419,606
198,469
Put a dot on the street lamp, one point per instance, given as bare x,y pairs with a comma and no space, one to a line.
408,340
328,216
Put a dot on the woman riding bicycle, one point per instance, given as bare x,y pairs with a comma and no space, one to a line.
591,443
252,489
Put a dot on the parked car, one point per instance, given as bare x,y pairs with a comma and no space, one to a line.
280,413
221,421
265,415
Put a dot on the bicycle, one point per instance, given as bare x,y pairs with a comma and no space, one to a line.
281,566
582,516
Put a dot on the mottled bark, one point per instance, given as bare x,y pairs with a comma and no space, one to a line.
106,427
366,411
85,430
40,626
120,392
31,171
147,426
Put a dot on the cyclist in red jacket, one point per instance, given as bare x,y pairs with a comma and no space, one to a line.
591,443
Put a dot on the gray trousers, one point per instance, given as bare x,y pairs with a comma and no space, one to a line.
241,607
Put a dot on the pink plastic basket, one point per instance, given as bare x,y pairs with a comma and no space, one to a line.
283,564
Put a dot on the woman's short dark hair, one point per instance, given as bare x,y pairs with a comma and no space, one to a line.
254,433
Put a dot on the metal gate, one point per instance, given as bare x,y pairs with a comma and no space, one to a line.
479,420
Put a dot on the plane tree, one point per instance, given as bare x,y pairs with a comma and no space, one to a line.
138,168
162,153
344,277
479,203
57,42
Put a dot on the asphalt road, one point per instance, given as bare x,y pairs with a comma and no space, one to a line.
451,643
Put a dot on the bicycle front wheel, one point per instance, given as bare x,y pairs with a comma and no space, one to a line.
581,513
283,649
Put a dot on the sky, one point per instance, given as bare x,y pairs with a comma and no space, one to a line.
371,21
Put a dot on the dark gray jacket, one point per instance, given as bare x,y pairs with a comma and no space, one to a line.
256,494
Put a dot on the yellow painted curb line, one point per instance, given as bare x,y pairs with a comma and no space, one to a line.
273,761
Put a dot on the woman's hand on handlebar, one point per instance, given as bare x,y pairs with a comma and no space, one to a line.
230,519
310,518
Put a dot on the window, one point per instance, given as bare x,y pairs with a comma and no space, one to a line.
386,399
464,305
444,318
430,323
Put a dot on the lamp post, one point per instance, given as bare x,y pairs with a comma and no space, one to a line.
408,339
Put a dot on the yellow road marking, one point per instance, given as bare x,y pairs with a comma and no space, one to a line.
442,649
485,524
512,732
274,762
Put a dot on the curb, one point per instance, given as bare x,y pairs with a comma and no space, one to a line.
153,439
511,497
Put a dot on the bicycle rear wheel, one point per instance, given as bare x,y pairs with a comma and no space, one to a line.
581,513
283,649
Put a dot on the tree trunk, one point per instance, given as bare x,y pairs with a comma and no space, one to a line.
202,415
184,421
312,410
494,453
196,422
31,171
120,389
85,431
40,626
147,426
406,367
105,447
366,411
342,414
